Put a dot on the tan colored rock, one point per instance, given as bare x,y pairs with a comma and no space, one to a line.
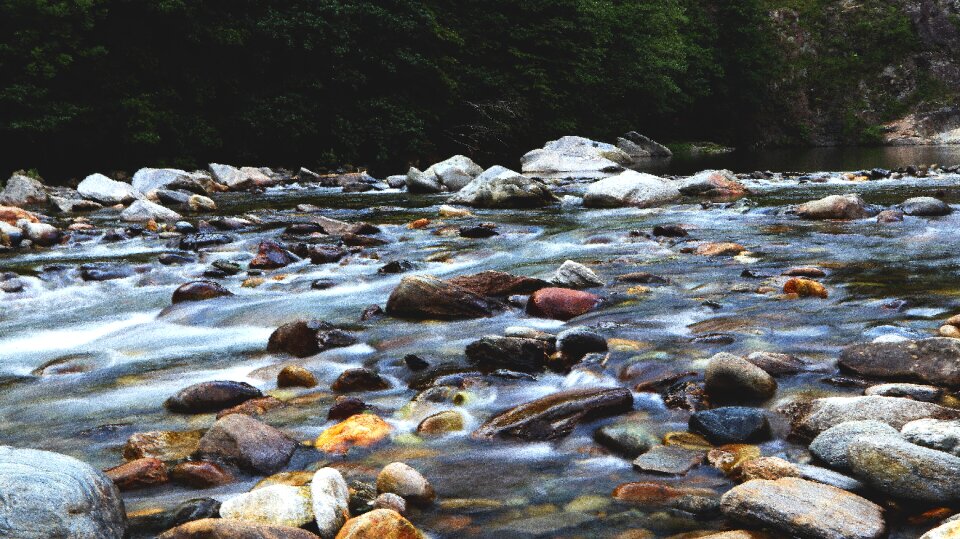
379,524
296,376
220,528
164,445
361,430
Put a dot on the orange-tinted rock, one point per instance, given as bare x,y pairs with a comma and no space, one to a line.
805,288
720,249
222,528
418,224
657,494
498,283
11,214
379,524
561,303
361,430
296,376
139,473
200,474
163,445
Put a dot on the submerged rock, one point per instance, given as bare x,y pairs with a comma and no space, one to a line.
498,284
441,423
47,495
777,364
253,446
199,291
926,207
572,274
668,459
901,469
834,207
801,508
426,297
629,438
630,188
500,187
561,303
555,416
213,396
934,361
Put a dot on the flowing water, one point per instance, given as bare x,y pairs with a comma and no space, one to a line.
84,365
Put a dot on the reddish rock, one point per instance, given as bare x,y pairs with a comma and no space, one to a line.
498,283
10,215
659,494
561,303
426,297
222,528
253,407
805,288
379,524
139,473
359,380
200,474
199,291
271,256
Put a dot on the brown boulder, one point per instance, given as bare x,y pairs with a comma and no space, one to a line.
295,376
426,297
200,474
199,291
498,284
379,524
561,303
221,528
139,473
270,255
11,214
248,443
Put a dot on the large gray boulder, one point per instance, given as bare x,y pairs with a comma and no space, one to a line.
239,178
630,188
800,508
22,190
926,207
849,206
144,210
46,495
934,361
106,191
500,187
574,155
149,179
641,147
833,444
894,411
899,468
452,174
935,434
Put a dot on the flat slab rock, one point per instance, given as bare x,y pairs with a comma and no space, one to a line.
668,460
802,508
934,361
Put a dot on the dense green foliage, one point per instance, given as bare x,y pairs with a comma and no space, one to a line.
104,84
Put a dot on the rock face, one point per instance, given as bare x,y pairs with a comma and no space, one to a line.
572,274
561,303
572,154
832,445
556,415
733,379
939,435
106,191
899,468
219,528
630,188
801,508
144,210
934,361
449,175
282,505
330,496
213,396
426,297
894,411
22,190
514,353
834,207
500,187
380,524
48,495
252,445
926,207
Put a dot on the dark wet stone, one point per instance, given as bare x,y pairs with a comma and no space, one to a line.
415,362
323,284
561,303
270,255
104,271
686,395
185,227
397,266
643,277
345,407
777,364
352,380
304,229
628,438
196,242
171,259
670,231
494,352
426,297
307,337
926,207
248,443
199,291
673,460
139,473
731,424
498,283
555,416
211,397
362,496
574,343
151,523
934,361
358,240
325,254
714,338
478,231
200,474
230,268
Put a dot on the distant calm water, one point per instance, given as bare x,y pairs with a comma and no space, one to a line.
810,159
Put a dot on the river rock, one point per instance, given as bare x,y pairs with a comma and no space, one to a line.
39,233
720,249
360,379
801,508
404,481
195,242
304,338
630,188
199,203
47,495
22,190
12,236
935,434
68,201
926,207
441,423
200,474
574,155
295,376
221,528
500,187
360,430
890,216
654,494
895,411
514,353
555,416
668,459
561,303
151,179
199,291
899,468
731,424
571,274
777,364
734,379
713,183
106,191
574,343
498,284
426,297
331,501
948,530
933,361
280,505
270,255
212,396
144,210
248,443
918,392
450,175
834,207
833,444
139,473
12,215
379,524
628,438
642,146
253,407
391,501
325,254
239,178
164,445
